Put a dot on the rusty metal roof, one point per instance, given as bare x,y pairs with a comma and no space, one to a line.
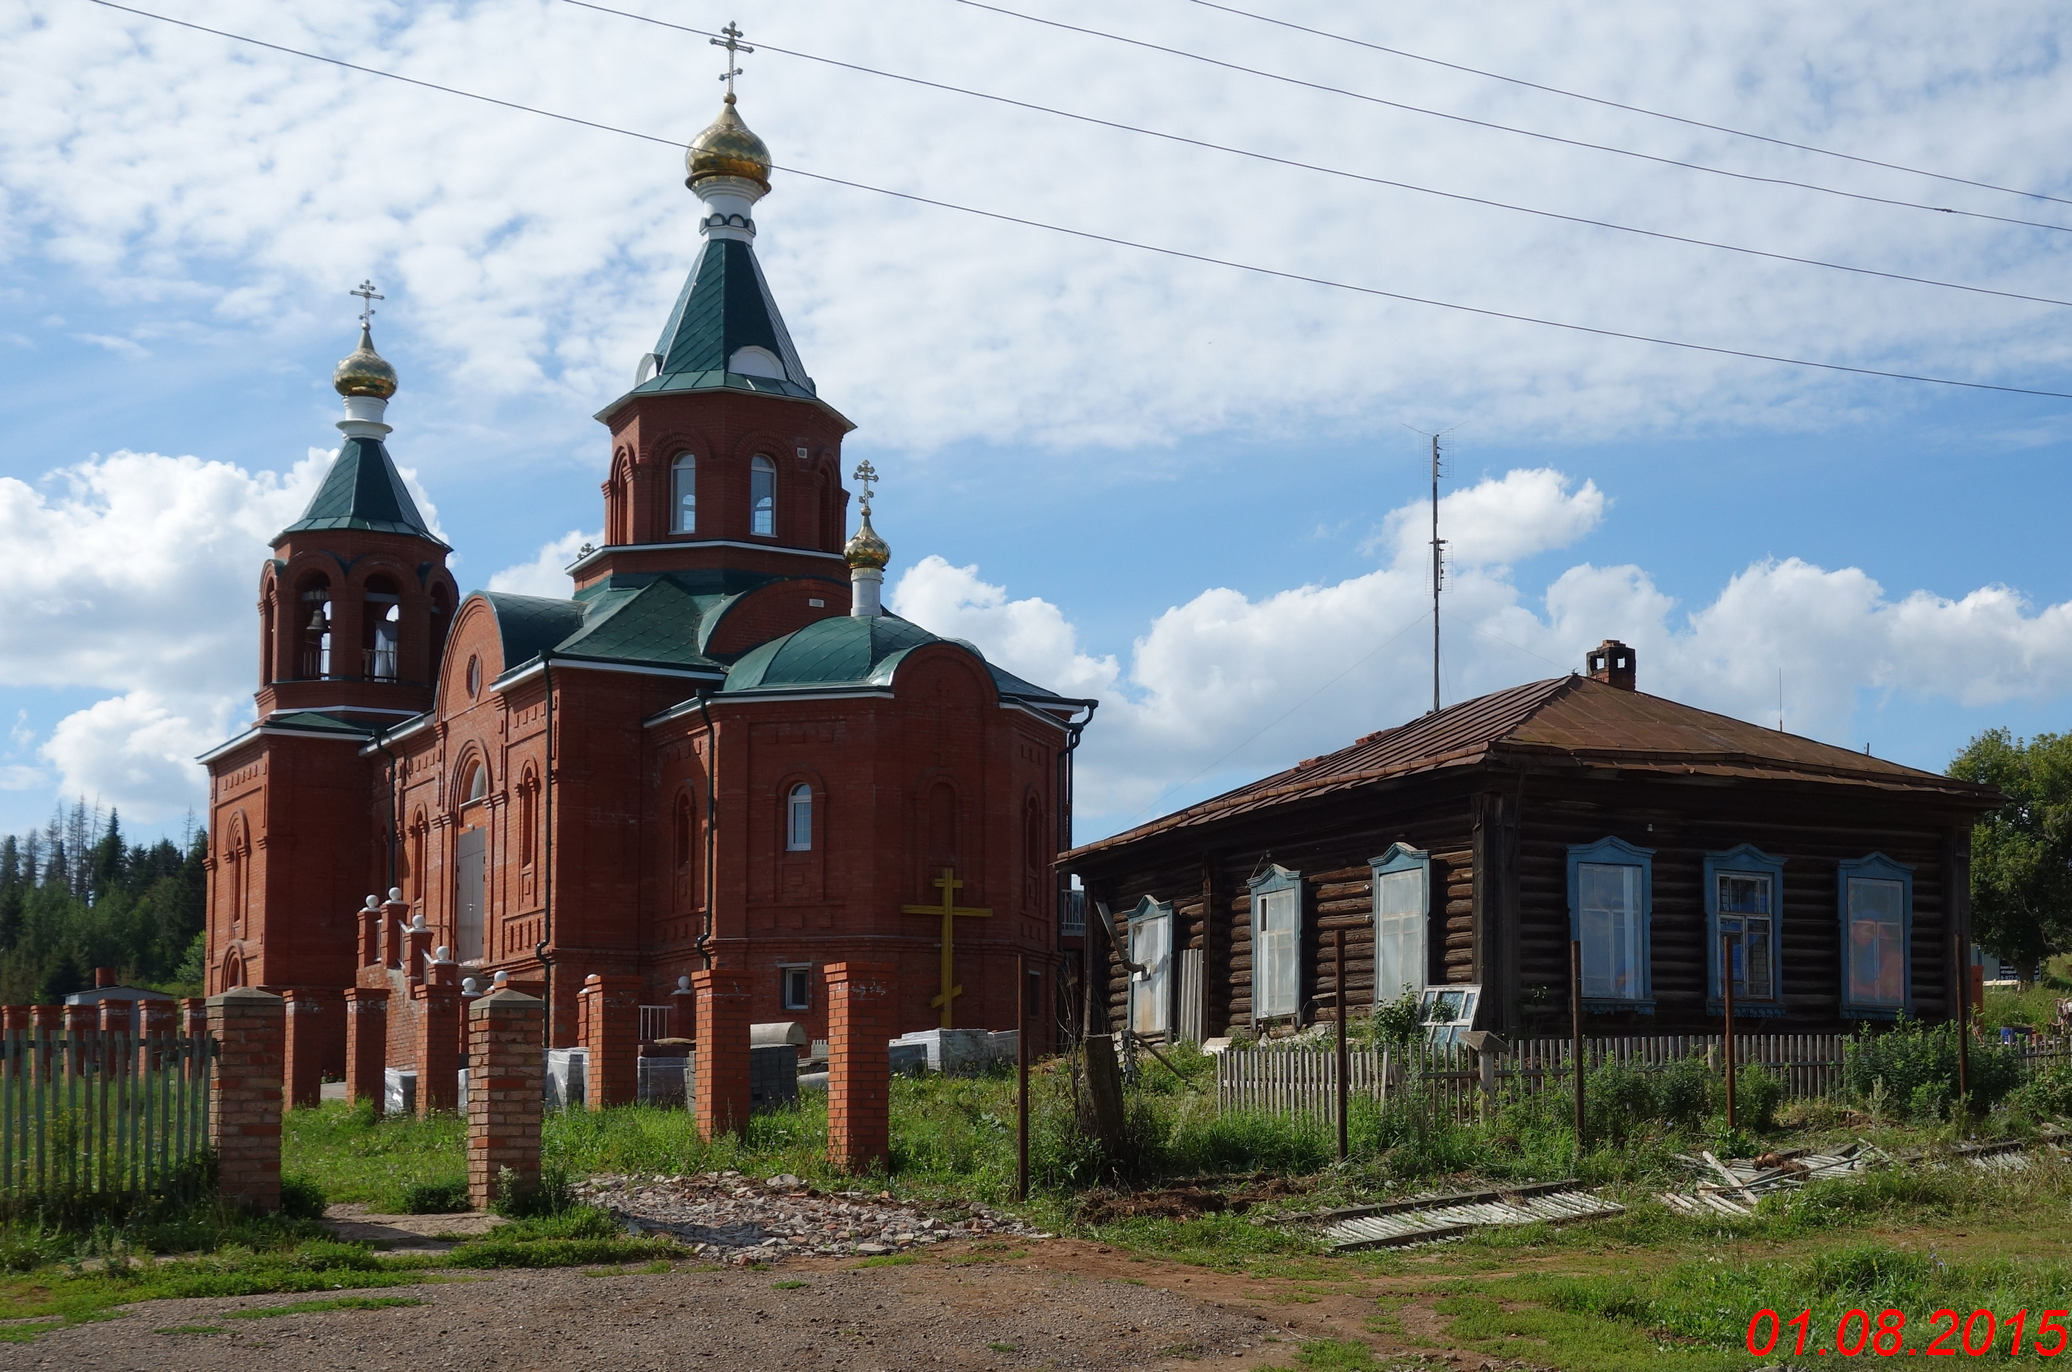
1573,722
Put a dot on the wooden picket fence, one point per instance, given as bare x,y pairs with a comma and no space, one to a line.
100,1113
1302,1078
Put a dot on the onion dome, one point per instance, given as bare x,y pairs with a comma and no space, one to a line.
365,371
727,148
865,548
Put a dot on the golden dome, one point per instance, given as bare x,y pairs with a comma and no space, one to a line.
865,548
727,148
365,371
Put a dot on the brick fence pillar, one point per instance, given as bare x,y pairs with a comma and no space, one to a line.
154,1029
310,1011
438,1037
249,1026
366,1045
722,1036
81,1023
683,1010
194,1016
50,1029
859,1064
507,1064
369,944
611,1032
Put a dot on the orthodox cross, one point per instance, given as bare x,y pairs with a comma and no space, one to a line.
949,884
368,295
865,476
733,44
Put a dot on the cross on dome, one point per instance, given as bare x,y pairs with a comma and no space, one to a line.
368,295
865,476
734,46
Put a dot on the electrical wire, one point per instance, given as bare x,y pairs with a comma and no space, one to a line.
1630,109
1285,79
1338,171
1086,235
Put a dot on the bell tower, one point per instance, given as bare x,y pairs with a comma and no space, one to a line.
355,603
723,453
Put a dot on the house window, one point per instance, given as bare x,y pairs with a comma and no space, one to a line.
1276,945
1402,909
1610,899
797,982
1151,947
798,819
683,494
762,496
1877,904
1743,890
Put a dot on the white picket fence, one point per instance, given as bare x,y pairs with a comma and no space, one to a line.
1302,1078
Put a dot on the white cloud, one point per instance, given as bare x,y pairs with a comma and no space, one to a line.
1497,521
547,574
15,777
136,751
1029,637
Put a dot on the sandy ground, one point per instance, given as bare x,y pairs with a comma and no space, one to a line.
1058,1304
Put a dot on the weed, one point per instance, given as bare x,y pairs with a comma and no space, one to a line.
890,1260
786,1285
445,1196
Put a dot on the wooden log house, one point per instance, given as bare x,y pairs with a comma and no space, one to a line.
1468,847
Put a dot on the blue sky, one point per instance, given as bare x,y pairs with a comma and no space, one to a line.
1187,490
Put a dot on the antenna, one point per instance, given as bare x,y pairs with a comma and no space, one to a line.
1438,556
1780,700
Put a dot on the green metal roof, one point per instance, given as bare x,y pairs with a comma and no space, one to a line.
845,651
317,722
725,305
529,624
363,490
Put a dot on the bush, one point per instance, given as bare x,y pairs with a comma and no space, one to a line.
1915,1065
444,1197
1757,1095
555,1194
2046,1095
301,1198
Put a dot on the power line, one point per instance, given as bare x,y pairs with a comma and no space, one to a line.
1285,79
1086,235
1297,164
1630,109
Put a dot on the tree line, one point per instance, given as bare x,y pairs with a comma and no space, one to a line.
75,896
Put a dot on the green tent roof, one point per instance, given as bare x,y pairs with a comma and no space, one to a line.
844,651
363,490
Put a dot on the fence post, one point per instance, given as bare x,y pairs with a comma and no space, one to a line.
610,1010
507,1065
859,1064
1575,1034
723,1090
366,1045
249,1026
683,1010
1726,983
438,1035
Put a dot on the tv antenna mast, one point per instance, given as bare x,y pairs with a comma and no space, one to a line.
1438,555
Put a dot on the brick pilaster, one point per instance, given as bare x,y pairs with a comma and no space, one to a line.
611,1032
506,1080
722,1052
395,917
370,933
438,1038
860,1015
417,949
311,1014
366,1045
249,1027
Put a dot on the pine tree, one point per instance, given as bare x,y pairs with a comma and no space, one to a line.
10,862
32,857
57,873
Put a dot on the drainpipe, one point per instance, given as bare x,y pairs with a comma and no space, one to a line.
539,950
704,940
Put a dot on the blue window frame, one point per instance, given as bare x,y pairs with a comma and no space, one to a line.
1611,901
1876,900
1151,947
1277,945
1402,915
1744,901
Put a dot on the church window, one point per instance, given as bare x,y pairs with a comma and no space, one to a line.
384,626
1277,945
797,979
683,494
762,496
798,812
474,677
528,819
418,834
684,833
313,615
1402,909
478,784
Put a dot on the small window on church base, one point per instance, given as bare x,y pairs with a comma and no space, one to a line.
798,986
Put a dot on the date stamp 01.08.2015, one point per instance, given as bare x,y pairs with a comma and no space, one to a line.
1886,1334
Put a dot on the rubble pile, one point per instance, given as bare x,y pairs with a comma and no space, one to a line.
728,1217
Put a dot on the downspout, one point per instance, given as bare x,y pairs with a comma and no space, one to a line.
539,950
703,943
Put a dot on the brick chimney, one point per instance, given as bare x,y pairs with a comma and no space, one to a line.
1612,663
103,976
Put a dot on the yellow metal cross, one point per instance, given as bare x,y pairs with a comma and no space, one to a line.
949,885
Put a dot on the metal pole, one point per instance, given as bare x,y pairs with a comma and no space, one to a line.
1436,572
1338,951
1963,960
1575,1033
1021,1073
1726,981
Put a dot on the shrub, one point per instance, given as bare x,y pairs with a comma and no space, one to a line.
301,1198
447,1196
1757,1095
1917,1066
2047,1094
555,1194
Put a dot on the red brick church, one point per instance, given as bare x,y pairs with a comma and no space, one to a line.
717,750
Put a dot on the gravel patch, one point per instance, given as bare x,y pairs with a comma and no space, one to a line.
727,1217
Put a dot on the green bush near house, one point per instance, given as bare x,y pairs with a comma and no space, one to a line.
1914,1065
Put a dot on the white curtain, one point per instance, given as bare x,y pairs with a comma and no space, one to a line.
1400,906
1276,955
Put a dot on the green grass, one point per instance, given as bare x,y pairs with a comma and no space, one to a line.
786,1285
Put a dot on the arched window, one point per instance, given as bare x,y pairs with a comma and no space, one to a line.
528,819
478,784
683,494
419,831
762,496
382,629
684,830
798,811
313,627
